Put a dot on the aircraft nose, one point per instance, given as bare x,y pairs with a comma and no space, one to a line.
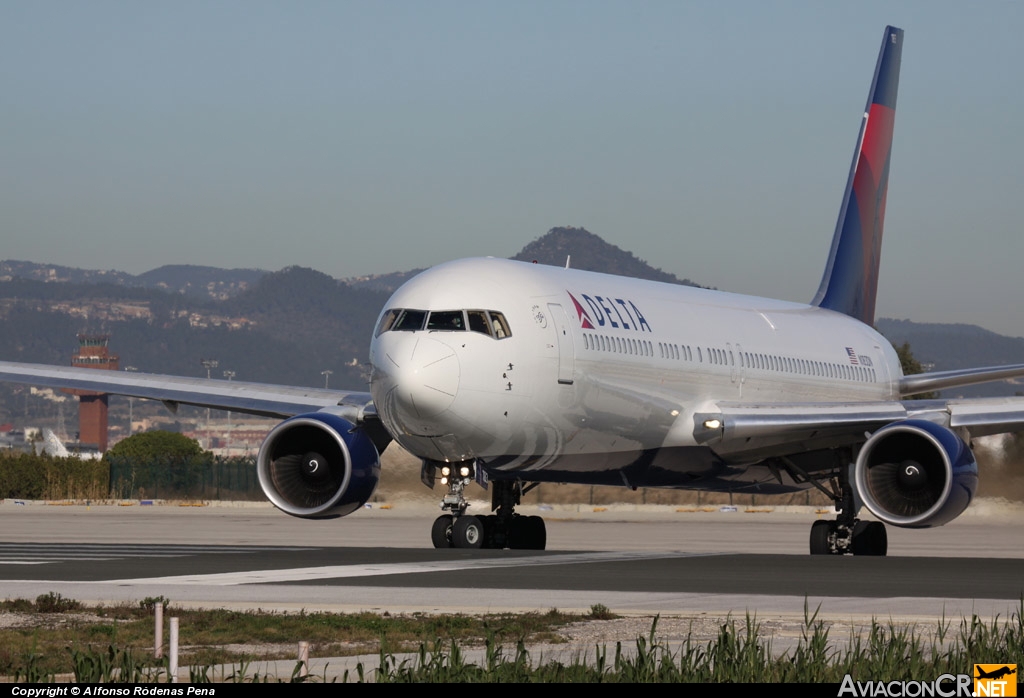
424,378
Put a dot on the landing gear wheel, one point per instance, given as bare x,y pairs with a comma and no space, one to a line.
518,533
820,531
441,532
869,538
467,532
538,537
490,523
527,533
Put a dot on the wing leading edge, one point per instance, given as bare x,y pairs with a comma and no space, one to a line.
239,396
754,431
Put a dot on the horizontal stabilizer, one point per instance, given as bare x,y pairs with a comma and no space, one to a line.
942,380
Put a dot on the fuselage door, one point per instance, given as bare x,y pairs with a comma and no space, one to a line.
566,349
742,364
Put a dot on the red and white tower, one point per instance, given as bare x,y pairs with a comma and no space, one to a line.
92,407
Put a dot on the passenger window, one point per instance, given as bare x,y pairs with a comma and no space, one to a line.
447,320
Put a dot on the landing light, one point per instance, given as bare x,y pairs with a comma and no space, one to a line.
444,481
712,423
446,471
464,471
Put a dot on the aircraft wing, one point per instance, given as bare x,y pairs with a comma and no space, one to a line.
749,429
238,396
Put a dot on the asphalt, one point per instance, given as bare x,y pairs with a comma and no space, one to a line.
641,561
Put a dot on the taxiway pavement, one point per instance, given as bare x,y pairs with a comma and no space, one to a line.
646,560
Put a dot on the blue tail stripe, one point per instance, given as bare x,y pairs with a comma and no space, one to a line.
846,285
887,75
850,281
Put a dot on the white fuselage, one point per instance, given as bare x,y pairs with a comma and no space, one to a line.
601,372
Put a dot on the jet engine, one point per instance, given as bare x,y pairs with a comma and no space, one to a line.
916,474
318,466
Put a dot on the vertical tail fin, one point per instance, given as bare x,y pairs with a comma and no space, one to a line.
850,282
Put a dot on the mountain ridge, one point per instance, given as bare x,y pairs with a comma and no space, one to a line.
278,322
588,251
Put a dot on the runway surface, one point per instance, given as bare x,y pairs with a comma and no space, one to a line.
646,561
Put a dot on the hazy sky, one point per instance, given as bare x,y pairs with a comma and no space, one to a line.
712,139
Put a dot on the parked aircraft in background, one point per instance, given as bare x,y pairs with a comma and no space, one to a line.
514,374
53,446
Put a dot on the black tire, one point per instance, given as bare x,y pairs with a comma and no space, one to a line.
881,537
518,533
538,533
491,538
527,533
441,532
820,531
870,538
467,532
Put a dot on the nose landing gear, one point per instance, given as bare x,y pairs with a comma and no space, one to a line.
502,529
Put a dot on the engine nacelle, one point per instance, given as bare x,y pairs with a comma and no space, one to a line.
916,474
318,466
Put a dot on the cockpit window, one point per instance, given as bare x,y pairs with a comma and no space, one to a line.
501,329
478,322
450,320
411,320
401,319
488,322
387,321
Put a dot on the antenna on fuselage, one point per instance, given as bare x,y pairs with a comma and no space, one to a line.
568,258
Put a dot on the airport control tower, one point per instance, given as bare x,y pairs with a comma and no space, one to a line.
92,407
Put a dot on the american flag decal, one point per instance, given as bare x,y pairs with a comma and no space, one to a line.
853,355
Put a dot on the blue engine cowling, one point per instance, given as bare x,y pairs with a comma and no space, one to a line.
318,466
916,474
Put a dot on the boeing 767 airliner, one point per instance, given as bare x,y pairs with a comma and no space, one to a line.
514,374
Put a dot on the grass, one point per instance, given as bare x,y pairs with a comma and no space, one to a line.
47,640
741,652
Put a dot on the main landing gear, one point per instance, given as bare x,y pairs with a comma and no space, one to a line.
840,538
502,529
847,535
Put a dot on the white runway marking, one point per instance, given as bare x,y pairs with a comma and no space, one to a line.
31,554
353,571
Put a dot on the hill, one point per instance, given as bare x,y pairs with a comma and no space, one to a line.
589,252
945,347
184,279
290,325
199,281
287,328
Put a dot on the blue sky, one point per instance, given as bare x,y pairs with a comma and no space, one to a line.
711,139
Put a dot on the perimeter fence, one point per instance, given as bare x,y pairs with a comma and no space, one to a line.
205,476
